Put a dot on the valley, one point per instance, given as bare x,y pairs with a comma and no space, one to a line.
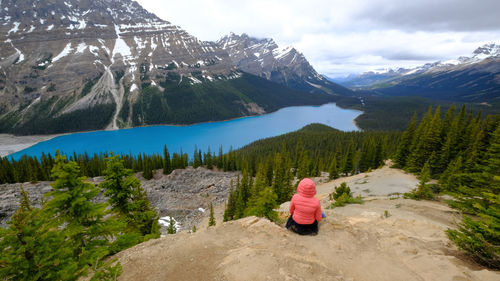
132,148
226,134
98,64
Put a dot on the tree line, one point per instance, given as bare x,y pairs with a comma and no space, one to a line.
314,148
462,151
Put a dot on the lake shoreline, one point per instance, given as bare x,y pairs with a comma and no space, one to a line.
10,144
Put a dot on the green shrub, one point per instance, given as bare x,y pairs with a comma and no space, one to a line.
479,235
423,190
343,196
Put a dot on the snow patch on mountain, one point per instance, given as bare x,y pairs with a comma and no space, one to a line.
14,29
81,48
278,54
121,46
66,51
82,25
133,88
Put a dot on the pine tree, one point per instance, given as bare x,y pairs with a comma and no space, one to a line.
143,216
128,199
449,149
264,205
31,250
171,226
245,186
208,159
480,196
333,171
448,120
72,205
211,220
197,161
378,158
476,147
427,141
241,194
259,185
422,191
147,169
348,166
480,237
279,181
230,209
453,169
303,165
167,164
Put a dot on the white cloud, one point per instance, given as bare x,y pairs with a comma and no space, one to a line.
340,37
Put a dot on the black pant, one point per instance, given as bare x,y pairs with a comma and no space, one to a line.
302,229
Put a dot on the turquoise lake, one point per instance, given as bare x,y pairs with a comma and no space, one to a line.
233,133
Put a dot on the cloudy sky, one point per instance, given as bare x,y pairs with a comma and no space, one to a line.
346,36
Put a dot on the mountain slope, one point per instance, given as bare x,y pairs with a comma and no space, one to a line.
467,79
263,57
477,82
83,65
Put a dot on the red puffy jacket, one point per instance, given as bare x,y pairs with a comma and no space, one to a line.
304,207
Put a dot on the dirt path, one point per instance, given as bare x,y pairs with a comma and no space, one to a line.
356,242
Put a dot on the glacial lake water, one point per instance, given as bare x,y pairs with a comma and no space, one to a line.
233,133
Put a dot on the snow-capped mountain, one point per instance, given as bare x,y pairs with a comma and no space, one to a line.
112,59
286,66
486,55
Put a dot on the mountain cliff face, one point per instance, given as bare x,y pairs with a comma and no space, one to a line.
264,58
471,79
68,65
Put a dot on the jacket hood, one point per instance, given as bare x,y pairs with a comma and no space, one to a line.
306,188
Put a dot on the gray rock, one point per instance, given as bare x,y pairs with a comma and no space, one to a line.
179,194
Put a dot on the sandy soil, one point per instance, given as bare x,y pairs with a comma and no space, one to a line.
10,144
356,242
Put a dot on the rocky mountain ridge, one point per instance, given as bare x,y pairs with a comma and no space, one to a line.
286,66
64,59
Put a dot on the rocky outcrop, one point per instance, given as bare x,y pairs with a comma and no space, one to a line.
386,238
356,242
184,194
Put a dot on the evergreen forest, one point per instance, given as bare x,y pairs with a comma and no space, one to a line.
462,152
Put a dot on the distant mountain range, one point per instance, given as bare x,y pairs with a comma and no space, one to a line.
70,65
468,79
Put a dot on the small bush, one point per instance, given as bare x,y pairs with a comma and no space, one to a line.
423,190
419,193
386,214
340,190
343,196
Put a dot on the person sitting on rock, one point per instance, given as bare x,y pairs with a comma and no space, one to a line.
305,209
